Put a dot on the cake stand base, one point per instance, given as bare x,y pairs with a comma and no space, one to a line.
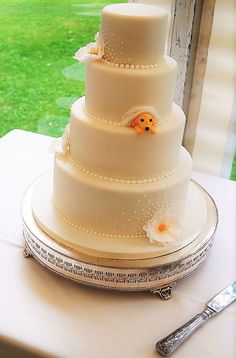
155,274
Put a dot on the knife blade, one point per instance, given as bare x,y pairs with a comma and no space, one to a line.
215,305
223,298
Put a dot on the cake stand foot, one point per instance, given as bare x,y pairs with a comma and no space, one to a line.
164,292
26,252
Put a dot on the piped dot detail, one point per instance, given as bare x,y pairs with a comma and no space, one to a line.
87,171
108,61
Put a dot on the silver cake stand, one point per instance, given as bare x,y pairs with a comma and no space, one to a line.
158,274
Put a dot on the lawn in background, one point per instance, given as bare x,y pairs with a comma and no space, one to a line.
39,78
233,172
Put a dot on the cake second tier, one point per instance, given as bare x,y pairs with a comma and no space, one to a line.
111,91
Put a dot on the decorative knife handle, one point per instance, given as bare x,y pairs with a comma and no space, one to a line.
168,345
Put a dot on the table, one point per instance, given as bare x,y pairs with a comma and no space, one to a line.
44,315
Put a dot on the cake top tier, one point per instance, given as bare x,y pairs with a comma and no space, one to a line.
133,34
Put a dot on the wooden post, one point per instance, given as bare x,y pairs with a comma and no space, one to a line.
185,29
200,63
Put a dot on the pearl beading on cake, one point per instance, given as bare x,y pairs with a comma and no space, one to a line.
92,232
161,64
136,223
102,120
119,180
113,123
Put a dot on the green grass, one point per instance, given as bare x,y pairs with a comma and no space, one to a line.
233,172
39,79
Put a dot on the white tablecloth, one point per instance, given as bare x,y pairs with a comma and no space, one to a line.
44,314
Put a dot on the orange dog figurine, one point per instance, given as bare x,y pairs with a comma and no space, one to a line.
144,123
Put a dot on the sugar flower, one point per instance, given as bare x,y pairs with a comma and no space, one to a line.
92,52
62,145
163,228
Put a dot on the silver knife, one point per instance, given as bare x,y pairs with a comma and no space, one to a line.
168,345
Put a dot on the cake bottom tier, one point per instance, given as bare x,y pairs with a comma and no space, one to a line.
116,209
117,249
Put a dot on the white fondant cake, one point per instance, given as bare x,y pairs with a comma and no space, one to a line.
121,172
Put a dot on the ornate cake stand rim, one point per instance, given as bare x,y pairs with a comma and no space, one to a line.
161,275
170,283
157,288
90,259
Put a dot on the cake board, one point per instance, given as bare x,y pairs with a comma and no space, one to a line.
154,272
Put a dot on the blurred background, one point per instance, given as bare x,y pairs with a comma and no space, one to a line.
39,79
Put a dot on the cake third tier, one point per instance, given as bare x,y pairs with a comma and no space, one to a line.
118,153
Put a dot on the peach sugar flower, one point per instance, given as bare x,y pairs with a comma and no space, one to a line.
163,228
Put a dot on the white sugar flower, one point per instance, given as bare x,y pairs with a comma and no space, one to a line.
65,140
163,228
92,52
61,145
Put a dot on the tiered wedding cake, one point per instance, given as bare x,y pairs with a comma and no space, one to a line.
121,176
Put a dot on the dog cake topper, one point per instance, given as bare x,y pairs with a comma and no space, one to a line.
141,119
